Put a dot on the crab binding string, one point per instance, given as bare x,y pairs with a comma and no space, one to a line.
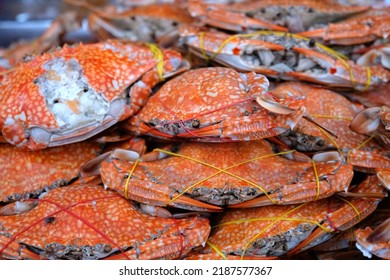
317,179
359,146
339,56
273,223
126,188
158,55
326,133
220,170
67,210
359,216
216,249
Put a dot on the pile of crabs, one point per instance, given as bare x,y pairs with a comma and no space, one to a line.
199,130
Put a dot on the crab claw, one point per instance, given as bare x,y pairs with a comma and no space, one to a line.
374,241
358,30
373,121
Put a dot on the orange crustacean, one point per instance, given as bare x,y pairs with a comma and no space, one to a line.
73,93
26,174
202,176
88,222
143,23
296,15
283,56
216,104
280,230
336,113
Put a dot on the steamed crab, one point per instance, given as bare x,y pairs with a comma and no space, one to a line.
216,104
277,231
283,56
28,173
239,174
88,222
336,113
145,23
73,93
296,15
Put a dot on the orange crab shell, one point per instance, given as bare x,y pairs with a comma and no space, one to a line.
334,112
277,230
97,74
240,174
88,222
27,173
213,104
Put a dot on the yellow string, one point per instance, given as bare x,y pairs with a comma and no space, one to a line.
368,83
215,248
201,45
359,146
222,171
128,178
332,117
158,55
353,207
276,219
331,140
317,179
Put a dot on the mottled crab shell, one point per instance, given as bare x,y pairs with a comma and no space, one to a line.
88,222
225,174
335,112
75,92
27,173
277,230
214,104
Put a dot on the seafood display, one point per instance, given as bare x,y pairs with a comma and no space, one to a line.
198,130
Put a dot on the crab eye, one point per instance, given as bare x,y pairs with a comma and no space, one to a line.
195,123
312,43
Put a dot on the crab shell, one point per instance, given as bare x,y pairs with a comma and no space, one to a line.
334,112
88,222
72,93
213,104
235,174
27,173
277,230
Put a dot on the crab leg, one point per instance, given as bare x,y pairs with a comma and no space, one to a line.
229,20
352,212
339,73
353,31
